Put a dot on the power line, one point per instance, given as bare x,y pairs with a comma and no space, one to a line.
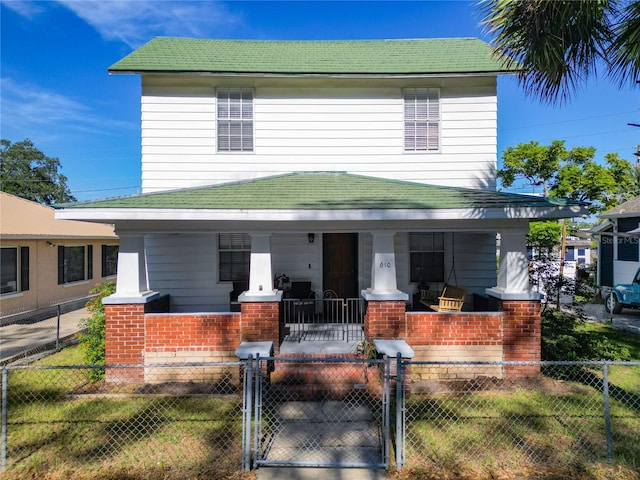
573,120
106,189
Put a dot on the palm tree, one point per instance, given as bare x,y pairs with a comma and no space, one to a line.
558,44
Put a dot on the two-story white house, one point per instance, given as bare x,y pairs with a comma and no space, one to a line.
362,170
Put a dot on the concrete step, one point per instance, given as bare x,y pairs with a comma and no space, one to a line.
303,473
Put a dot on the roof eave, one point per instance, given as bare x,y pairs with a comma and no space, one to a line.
291,215
473,73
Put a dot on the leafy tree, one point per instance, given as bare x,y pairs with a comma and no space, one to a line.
544,235
558,44
28,173
536,163
573,174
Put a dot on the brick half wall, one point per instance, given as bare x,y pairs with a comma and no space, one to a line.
178,339
455,337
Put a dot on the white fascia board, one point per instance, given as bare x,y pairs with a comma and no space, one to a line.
107,215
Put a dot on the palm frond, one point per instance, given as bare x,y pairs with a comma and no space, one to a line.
557,42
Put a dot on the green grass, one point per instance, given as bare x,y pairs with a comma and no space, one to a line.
511,430
53,427
620,337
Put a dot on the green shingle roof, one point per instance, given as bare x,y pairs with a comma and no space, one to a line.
324,191
338,57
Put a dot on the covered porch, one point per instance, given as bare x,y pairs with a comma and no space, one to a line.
376,244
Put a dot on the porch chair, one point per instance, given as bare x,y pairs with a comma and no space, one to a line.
238,288
451,300
452,297
304,303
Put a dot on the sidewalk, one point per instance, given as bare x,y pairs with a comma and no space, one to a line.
20,339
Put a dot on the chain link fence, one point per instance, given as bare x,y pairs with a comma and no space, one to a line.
572,414
192,419
65,416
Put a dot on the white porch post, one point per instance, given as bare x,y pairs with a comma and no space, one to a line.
513,273
384,284
132,285
260,273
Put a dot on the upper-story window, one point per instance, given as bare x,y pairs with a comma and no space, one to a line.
235,119
421,119
14,269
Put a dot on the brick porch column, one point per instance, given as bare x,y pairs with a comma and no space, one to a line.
125,309
385,317
522,329
260,322
522,324
260,317
124,341
385,320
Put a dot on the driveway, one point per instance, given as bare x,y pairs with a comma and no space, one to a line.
628,319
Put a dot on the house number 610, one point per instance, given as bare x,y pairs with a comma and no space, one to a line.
385,265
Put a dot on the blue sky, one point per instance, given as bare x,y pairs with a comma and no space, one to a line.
55,89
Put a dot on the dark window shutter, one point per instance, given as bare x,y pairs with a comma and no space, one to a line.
24,269
89,261
104,260
60,265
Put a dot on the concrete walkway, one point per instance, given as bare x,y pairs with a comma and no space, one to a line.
23,338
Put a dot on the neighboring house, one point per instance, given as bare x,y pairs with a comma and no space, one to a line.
363,169
46,262
618,257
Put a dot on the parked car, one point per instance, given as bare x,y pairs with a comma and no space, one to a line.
624,295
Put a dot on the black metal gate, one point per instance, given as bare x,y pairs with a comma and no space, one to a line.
320,412
326,319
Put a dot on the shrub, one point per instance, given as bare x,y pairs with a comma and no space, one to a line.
563,340
92,341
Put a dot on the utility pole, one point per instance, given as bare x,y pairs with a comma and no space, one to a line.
563,248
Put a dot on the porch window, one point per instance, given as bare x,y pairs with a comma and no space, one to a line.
75,263
235,119
426,257
421,119
109,260
234,256
14,269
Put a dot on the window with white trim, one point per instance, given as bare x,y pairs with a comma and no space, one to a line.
426,257
75,263
421,119
234,257
235,119
14,269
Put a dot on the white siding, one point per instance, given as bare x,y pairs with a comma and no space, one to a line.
339,128
301,261
470,262
185,266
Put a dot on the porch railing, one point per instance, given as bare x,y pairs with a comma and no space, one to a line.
337,319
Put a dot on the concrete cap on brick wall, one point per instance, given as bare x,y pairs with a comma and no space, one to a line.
391,348
264,349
